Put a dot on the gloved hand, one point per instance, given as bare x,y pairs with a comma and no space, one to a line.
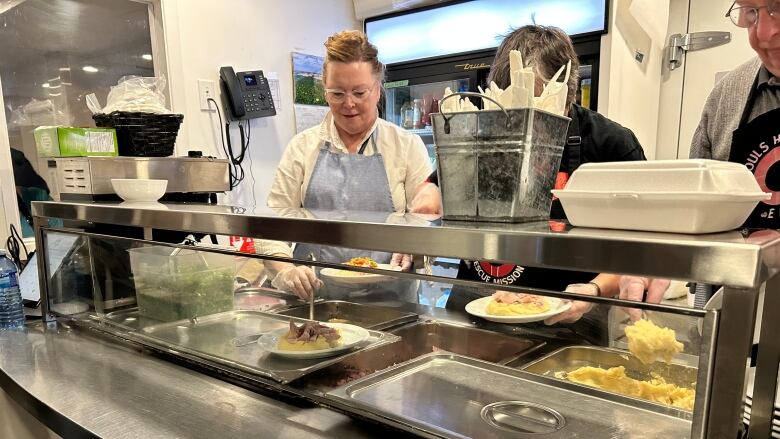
401,262
633,288
298,279
578,308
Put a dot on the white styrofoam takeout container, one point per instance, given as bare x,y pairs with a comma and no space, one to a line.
676,196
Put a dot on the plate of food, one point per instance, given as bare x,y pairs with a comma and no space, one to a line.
506,307
356,277
313,339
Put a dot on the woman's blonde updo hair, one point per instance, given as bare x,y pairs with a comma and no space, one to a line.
352,46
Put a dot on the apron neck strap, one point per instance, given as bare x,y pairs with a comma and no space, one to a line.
573,143
372,138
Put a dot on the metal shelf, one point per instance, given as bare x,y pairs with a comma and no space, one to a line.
722,259
421,131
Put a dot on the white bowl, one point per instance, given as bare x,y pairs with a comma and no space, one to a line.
138,189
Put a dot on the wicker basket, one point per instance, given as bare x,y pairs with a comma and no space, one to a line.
142,134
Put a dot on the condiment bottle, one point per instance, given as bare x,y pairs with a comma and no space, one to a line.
406,116
418,113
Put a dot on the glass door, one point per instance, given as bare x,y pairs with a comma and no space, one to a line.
410,106
54,53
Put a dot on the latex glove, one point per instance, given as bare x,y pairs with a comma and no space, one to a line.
634,287
298,279
427,200
401,262
578,307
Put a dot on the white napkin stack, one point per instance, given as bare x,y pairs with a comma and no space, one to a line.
520,93
553,97
456,105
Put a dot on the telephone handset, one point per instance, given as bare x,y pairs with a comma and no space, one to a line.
246,94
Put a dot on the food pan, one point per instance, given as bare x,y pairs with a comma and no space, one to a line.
210,338
682,372
453,396
423,338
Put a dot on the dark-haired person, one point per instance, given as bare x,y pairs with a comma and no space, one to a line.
591,138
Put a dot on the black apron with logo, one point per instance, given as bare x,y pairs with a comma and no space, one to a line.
756,144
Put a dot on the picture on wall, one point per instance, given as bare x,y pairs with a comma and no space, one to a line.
307,75
309,91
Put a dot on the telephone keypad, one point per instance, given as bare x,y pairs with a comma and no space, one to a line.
258,101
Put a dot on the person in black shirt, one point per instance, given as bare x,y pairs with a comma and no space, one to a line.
591,138
29,187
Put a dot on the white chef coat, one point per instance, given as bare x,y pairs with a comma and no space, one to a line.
405,158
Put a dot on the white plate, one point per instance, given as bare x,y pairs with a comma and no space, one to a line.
355,277
351,336
477,308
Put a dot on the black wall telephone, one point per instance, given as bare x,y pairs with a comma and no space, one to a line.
246,94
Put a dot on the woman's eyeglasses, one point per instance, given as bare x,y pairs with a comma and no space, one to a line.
747,16
338,96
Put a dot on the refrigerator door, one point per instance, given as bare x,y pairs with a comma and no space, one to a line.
410,105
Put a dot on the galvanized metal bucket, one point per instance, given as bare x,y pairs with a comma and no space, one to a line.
498,165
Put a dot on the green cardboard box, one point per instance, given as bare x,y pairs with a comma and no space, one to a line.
75,142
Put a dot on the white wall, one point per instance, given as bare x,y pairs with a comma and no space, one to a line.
629,91
203,35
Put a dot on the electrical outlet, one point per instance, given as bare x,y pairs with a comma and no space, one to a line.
206,91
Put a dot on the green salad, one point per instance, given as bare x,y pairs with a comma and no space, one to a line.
184,295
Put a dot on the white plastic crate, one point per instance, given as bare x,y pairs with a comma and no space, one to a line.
678,196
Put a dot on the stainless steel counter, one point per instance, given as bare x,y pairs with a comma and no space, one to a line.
740,262
80,385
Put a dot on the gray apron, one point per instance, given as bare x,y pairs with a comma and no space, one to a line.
352,182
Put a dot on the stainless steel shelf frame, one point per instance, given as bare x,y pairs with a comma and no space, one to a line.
741,262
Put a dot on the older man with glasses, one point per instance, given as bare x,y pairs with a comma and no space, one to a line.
740,123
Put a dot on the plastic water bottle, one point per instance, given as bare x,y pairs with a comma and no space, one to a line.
11,310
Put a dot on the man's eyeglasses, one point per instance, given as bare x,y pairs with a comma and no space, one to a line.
747,16
338,96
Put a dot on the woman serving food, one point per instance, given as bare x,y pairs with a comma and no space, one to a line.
352,161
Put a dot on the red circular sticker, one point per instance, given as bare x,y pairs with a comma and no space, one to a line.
496,270
761,171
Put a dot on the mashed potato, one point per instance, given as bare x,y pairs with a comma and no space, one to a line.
513,309
615,380
302,346
648,342
504,303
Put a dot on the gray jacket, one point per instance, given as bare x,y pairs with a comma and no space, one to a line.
722,112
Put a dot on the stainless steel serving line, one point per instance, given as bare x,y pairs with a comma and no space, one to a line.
742,263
